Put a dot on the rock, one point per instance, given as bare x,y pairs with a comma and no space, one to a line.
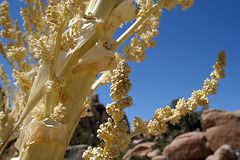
192,145
94,98
99,115
159,157
222,127
224,134
214,117
141,149
75,152
153,153
237,112
138,141
225,152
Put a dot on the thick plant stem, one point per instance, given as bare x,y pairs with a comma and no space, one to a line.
72,96
79,78
44,149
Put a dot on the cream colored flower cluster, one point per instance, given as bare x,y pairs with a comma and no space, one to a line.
121,84
144,6
56,84
5,81
23,80
12,52
143,39
17,54
43,50
116,109
27,18
58,112
95,153
38,112
115,138
68,42
33,17
147,30
158,125
6,22
54,16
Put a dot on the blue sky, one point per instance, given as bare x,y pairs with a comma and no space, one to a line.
186,50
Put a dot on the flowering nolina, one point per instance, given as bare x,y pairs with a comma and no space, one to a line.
55,61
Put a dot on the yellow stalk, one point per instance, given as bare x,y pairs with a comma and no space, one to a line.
135,133
108,143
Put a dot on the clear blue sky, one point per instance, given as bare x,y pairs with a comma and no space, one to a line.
186,49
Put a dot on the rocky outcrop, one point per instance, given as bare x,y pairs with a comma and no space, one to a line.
141,149
100,115
225,152
188,146
222,127
154,153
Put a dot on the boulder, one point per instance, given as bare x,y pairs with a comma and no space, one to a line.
75,152
224,134
215,117
192,145
153,153
222,127
138,141
141,149
237,112
158,157
225,152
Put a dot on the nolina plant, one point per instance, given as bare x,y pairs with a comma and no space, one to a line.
55,62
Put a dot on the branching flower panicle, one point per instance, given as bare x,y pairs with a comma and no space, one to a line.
114,132
5,81
199,98
6,22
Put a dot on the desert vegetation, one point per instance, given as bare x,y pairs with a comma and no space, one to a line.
64,53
